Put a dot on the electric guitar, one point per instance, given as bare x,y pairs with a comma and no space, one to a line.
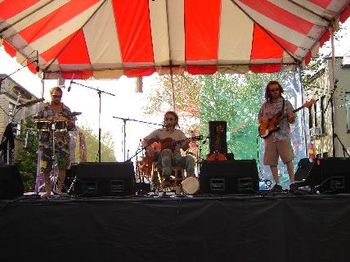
272,125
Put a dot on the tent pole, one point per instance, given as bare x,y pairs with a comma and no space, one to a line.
42,87
172,88
333,84
307,138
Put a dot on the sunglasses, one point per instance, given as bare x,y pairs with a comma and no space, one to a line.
56,96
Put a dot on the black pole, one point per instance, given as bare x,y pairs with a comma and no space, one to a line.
99,127
124,138
330,101
124,130
99,92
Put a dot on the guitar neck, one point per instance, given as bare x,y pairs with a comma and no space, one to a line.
299,108
294,111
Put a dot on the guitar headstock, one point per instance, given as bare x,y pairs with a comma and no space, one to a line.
309,103
196,138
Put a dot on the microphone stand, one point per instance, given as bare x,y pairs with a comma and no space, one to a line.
14,72
124,132
330,101
343,146
99,92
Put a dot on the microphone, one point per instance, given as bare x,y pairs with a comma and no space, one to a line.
75,113
70,85
37,61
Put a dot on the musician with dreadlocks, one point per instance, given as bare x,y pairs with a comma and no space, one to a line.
277,140
172,140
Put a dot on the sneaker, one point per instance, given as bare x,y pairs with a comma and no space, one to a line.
276,188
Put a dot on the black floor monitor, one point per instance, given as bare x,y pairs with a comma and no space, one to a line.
229,177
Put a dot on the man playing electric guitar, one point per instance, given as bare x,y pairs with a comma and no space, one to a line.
173,140
277,143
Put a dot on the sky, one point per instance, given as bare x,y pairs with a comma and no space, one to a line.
125,103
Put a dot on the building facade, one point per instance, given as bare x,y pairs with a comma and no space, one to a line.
329,117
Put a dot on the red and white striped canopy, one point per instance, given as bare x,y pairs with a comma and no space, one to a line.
110,38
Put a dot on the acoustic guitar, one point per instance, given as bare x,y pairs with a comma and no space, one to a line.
153,150
272,125
169,143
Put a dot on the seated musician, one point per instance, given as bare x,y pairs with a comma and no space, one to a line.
171,140
58,113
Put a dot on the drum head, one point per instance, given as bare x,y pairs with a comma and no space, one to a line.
190,185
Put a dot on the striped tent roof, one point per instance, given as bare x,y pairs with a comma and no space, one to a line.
110,38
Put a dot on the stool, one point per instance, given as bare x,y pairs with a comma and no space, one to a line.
178,173
176,178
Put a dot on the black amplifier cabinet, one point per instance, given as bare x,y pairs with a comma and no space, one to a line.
11,183
229,177
103,179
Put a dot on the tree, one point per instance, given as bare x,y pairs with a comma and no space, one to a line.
235,99
107,145
230,98
26,153
27,146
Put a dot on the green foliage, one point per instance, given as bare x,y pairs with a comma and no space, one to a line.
235,99
26,158
107,145
231,98
186,90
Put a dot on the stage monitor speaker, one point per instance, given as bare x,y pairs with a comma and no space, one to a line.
304,168
327,175
217,136
11,183
229,177
103,179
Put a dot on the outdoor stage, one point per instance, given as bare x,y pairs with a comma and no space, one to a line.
235,227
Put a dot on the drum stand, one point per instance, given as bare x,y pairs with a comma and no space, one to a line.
53,176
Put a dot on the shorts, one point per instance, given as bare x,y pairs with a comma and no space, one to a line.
274,150
46,160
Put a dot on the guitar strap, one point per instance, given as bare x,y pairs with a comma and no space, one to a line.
282,110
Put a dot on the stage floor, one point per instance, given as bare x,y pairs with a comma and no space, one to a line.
260,227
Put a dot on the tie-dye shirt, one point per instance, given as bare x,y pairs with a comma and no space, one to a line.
269,110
